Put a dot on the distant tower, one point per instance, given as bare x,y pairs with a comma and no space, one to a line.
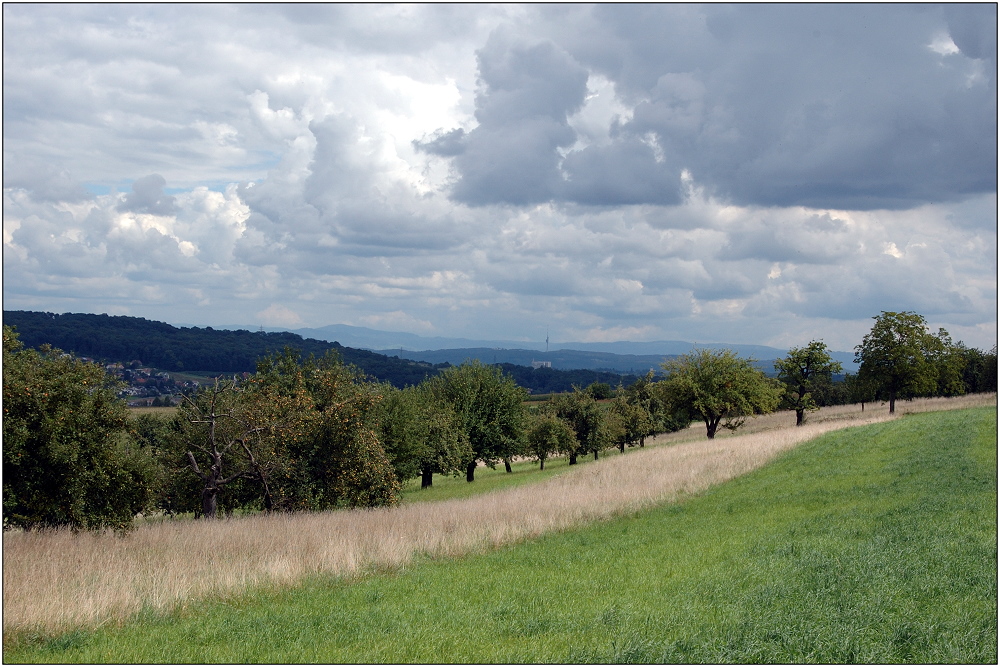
546,341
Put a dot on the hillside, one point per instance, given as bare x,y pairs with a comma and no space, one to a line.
185,349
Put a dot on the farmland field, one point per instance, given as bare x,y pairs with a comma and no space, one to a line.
870,544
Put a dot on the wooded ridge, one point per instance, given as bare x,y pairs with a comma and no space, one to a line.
110,338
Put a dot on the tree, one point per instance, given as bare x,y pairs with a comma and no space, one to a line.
979,373
294,436
600,390
547,436
582,413
611,432
69,458
719,387
949,359
636,422
215,422
489,406
859,389
341,460
422,435
897,356
643,394
801,372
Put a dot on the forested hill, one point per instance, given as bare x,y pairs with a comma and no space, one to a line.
165,347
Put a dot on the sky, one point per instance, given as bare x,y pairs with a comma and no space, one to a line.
757,174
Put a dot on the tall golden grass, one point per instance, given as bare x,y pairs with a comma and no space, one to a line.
56,580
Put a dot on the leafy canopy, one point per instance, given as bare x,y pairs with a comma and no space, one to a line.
719,387
69,458
801,371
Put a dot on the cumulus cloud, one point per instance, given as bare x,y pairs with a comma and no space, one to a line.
147,197
742,173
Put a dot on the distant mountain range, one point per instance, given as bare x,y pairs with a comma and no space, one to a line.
621,356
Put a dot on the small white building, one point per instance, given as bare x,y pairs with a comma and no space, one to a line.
541,364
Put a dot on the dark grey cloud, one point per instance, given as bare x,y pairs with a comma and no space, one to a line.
527,91
147,196
828,106
625,172
43,180
974,31
445,144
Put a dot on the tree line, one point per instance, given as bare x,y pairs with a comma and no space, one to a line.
308,433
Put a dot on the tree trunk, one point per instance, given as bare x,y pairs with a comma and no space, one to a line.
506,464
426,478
642,441
595,454
209,498
541,464
713,426
470,472
621,447
800,417
572,459
892,402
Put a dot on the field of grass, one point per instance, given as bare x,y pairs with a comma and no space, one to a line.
870,544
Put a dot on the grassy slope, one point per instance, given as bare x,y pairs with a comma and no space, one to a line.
873,544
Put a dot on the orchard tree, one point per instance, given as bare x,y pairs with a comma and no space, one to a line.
635,420
900,358
547,436
611,432
295,436
583,414
343,459
422,435
801,372
69,458
489,406
214,422
859,389
719,387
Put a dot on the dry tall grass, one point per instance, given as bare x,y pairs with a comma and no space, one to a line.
55,580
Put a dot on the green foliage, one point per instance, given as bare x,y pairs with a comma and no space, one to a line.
900,358
335,455
582,413
979,371
547,436
489,406
802,371
635,420
600,391
421,434
69,458
718,387
297,435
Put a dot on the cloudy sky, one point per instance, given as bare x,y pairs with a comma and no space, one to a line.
760,174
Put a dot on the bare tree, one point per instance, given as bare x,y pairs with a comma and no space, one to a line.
225,426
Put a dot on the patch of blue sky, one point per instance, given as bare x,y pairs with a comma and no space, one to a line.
97,189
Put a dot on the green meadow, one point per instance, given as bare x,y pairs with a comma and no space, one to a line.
873,544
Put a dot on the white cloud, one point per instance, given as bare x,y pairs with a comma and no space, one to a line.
277,315
713,173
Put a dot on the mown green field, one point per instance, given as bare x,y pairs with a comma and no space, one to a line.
875,544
